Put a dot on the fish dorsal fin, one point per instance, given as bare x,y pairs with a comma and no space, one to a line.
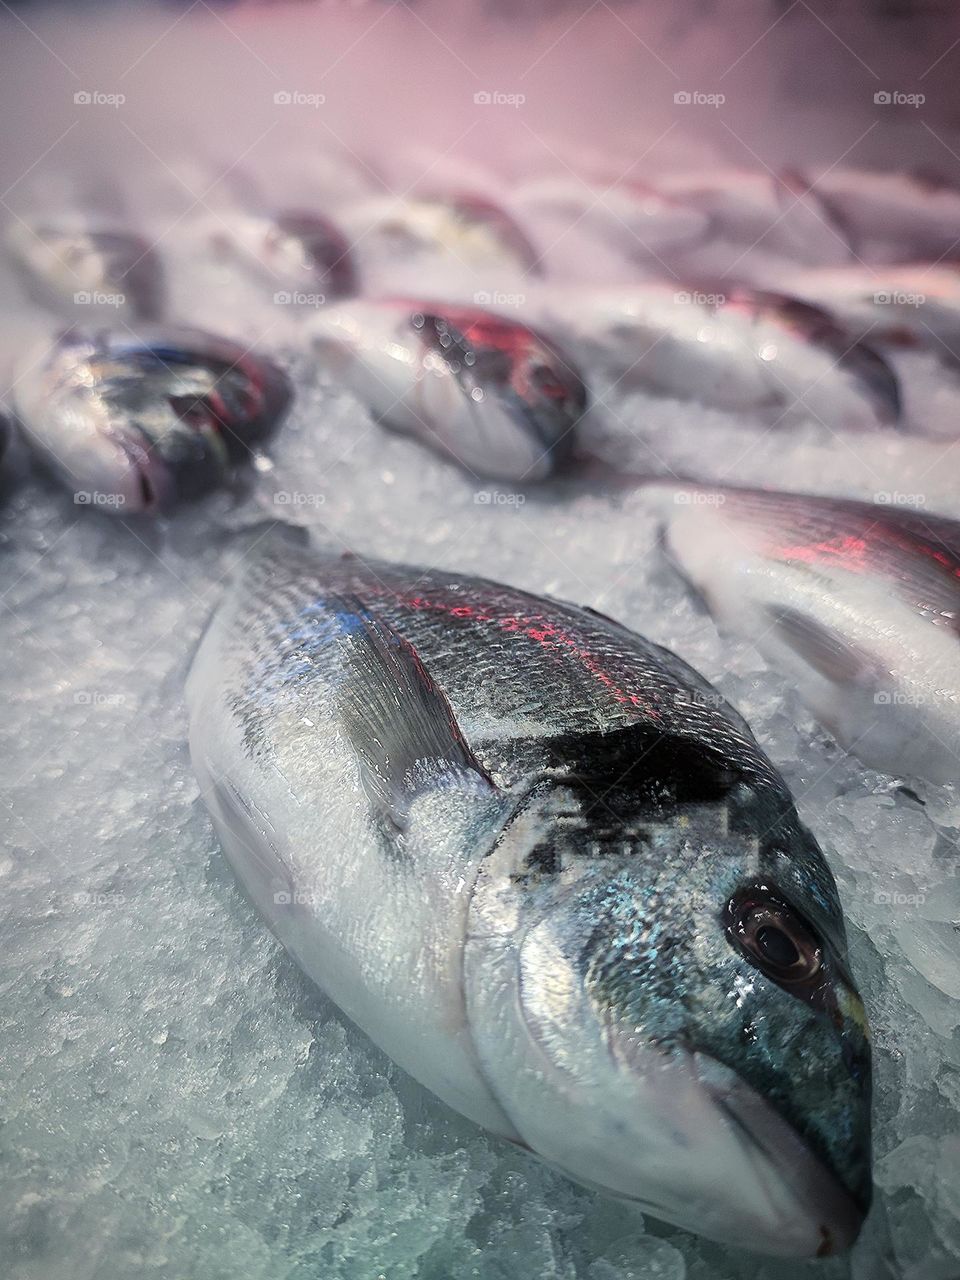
398,720
820,648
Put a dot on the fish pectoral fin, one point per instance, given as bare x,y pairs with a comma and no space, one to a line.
821,649
401,725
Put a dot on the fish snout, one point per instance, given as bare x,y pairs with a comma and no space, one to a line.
803,1205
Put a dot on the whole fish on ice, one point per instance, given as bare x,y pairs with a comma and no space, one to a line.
915,306
296,251
487,392
97,268
548,870
472,232
748,350
858,603
136,422
777,213
640,219
892,217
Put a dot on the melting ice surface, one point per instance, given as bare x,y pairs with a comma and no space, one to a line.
176,1099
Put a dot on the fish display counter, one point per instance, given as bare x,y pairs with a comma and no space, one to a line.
480,530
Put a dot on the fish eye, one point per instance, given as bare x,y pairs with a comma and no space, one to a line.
772,936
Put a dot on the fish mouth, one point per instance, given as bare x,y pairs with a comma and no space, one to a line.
810,1211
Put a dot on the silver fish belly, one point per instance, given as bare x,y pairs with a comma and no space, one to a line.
858,603
548,870
145,420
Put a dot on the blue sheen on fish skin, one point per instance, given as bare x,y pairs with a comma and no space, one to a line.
657,960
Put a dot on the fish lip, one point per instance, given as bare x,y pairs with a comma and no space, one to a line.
833,1211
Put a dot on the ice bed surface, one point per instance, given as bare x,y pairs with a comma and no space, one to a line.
176,1099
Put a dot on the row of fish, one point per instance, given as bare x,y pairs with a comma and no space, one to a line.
808,342
537,858
858,603
839,217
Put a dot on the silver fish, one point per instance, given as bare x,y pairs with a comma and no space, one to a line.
136,422
550,872
912,306
472,231
894,217
639,218
857,603
748,350
491,394
296,251
97,269
776,213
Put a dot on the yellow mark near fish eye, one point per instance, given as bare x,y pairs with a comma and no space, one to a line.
851,1006
684,820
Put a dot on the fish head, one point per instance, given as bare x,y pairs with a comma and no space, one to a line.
106,269
677,1027
146,420
517,397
